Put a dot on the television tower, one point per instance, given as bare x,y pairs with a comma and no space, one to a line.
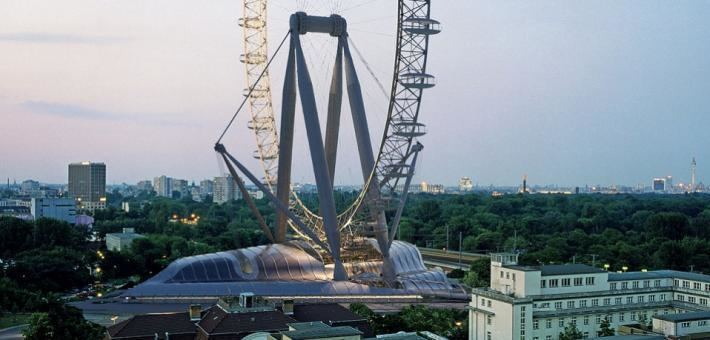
693,167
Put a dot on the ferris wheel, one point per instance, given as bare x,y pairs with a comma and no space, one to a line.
386,169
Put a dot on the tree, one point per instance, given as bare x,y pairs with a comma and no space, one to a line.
456,274
61,322
672,225
361,309
52,233
15,236
54,270
605,328
571,333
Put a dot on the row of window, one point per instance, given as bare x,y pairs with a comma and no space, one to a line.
620,317
567,282
585,335
692,299
696,285
507,275
634,284
606,301
522,322
701,323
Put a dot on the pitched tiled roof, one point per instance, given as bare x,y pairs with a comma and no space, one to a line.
217,321
146,326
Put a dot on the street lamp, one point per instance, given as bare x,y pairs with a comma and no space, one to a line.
606,266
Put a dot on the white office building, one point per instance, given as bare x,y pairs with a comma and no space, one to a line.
225,190
465,184
121,241
163,186
538,302
63,209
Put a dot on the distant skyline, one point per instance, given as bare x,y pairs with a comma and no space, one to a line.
567,92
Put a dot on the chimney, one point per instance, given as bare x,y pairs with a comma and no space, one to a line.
287,307
246,300
195,312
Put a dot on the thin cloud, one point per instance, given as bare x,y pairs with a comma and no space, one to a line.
52,38
68,111
79,112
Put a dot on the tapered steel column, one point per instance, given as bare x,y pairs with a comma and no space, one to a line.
288,110
320,165
367,160
247,198
403,199
335,101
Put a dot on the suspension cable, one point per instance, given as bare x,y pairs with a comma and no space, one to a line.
369,69
251,88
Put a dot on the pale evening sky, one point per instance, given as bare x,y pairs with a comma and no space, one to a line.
568,92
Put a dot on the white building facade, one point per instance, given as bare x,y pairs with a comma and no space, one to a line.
694,325
225,190
163,186
538,302
63,209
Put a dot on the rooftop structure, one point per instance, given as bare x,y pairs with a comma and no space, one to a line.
319,330
293,270
222,322
174,326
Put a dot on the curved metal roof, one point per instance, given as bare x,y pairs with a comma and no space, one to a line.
290,269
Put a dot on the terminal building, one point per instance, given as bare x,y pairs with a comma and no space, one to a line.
538,302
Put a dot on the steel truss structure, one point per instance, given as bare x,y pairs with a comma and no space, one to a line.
386,177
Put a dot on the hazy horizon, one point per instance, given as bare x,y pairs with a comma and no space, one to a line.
567,92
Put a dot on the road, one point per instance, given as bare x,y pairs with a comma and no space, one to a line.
449,259
12,333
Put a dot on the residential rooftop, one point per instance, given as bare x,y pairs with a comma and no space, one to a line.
658,274
559,269
681,317
321,332
177,325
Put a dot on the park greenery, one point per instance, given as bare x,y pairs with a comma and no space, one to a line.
41,259
450,323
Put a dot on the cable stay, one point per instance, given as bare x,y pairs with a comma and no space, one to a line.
369,69
251,88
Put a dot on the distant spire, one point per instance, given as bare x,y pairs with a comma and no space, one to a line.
693,166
